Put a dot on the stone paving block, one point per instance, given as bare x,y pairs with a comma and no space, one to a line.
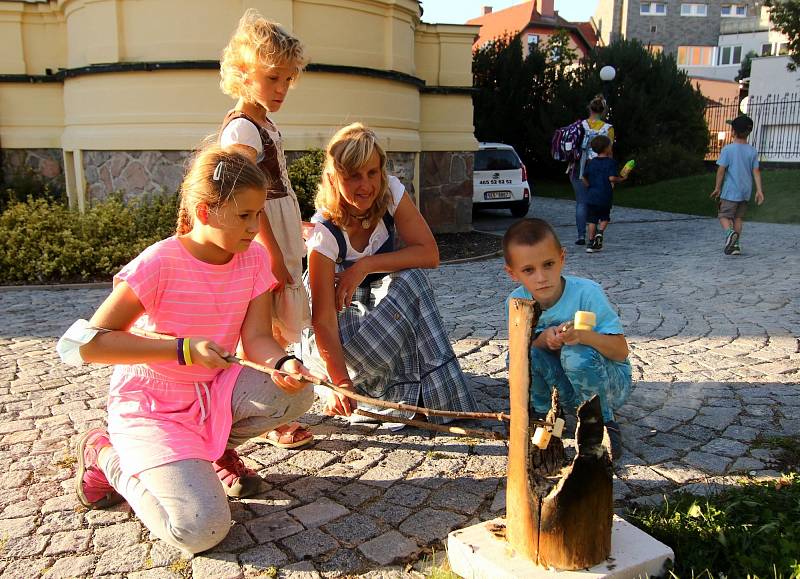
312,459
354,529
708,463
716,418
26,568
20,509
310,543
741,433
679,473
162,554
746,464
388,547
406,495
155,573
116,536
273,527
69,567
216,566
14,479
318,513
27,546
69,542
122,560
270,502
116,514
431,524
263,557
355,494
641,477
311,488
237,538
389,513
463,502
725,447
17,527
301,570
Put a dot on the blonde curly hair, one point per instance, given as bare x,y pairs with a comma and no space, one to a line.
349,150
257,42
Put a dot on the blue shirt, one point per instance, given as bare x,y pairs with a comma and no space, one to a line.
739,160
579,294
597,172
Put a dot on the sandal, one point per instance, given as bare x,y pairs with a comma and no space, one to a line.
292,435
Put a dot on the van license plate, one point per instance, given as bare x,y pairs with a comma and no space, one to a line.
497,195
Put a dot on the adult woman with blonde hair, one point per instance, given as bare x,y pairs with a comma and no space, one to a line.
376,327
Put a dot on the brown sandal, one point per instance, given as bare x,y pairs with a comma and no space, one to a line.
288,436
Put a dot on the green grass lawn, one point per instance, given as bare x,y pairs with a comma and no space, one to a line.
690,195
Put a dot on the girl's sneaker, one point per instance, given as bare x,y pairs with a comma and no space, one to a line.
94,490
238,480
737,250
731,239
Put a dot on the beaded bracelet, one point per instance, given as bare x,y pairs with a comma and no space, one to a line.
282,360
181,359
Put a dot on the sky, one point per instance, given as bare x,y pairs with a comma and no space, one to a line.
459,11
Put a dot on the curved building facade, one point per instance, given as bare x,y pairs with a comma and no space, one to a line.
112,95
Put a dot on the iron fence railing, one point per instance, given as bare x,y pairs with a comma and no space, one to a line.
776,125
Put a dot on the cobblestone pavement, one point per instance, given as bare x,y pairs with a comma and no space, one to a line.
715,356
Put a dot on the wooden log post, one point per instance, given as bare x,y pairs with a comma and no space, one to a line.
557,515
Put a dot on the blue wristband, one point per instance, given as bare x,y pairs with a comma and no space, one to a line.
181,359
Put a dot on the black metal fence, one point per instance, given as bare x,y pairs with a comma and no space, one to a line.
776,125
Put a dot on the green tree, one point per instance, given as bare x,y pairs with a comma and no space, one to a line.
747,63
785,15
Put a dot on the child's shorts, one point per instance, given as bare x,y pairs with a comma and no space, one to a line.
597,213
732,209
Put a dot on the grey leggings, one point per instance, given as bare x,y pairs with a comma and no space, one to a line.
183,502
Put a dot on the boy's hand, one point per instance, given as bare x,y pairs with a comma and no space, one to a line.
553,338
759,197
292,385
569,335
339,405
715,194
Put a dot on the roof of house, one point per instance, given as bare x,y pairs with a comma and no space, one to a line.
518,17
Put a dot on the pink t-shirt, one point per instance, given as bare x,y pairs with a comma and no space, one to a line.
163,412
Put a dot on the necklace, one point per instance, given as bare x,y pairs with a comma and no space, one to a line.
365,223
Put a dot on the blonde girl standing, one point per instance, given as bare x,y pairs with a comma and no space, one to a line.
259,65
177,408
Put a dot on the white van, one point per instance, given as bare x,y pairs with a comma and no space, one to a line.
500,180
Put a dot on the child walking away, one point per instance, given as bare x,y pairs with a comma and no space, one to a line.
738,168
258,66
579,362
177,408
599,176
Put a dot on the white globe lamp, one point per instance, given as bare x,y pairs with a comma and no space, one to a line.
607,73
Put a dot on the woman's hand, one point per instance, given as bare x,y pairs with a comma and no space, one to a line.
347,282
208,354
339,404
715,193
552,338
282,275
290,384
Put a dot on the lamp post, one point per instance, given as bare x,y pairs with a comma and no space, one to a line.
607,74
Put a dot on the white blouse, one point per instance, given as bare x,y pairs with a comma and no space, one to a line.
322,241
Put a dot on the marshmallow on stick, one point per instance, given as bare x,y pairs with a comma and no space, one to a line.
585,320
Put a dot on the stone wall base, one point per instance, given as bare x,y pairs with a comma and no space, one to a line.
46,164
446,190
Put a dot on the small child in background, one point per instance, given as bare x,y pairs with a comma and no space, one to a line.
177,407
599,176
738,168
259,65
580,363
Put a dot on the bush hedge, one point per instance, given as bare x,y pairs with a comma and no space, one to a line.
46,242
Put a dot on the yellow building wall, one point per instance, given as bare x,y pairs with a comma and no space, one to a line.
376,62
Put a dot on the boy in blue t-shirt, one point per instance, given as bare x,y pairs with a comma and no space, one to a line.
738,168
581,363
599,177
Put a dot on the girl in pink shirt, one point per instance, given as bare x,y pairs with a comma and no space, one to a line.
177,408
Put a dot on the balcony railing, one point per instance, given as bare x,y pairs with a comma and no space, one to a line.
744,25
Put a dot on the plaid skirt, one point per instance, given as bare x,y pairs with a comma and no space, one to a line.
396,348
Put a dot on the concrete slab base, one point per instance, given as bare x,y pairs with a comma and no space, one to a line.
475,553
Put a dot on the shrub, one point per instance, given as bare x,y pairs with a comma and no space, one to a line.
47,242
664,161
746,531
304,173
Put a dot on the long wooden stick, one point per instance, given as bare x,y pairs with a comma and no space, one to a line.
478,432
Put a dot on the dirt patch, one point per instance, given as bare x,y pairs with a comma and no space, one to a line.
463,245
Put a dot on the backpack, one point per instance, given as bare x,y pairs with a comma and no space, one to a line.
567,141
